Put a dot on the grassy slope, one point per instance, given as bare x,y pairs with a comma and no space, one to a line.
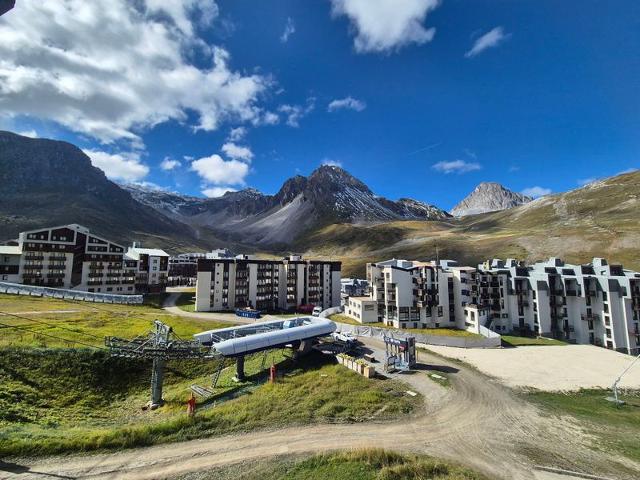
89,323
370,464
54,398
614,428
599,220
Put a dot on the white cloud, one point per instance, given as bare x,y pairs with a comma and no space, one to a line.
214,192
536,192
386,25
456,166
237,152
29,133
491,39
216,170
289,29
169,164
294,113
118,166
332,163
237,134
349,103
112,68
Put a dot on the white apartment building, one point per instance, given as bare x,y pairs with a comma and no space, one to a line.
152,268
242,281
595,303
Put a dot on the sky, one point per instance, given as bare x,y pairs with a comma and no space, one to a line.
417,98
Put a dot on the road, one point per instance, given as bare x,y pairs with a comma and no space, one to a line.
477,422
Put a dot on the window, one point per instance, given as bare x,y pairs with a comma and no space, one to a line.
439,311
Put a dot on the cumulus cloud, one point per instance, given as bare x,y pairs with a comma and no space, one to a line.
237,152
217,171
294,113
536,192
237,134
118,166
491,39
348,103
386,25
456,166
169,164
112,68
289,29
215,192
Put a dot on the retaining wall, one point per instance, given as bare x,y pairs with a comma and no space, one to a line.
36,291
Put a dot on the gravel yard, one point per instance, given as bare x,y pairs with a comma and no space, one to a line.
549,368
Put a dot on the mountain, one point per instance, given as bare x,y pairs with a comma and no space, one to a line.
598,220
329,195
47,182
489,197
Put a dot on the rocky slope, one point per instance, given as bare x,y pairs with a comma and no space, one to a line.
328,195
489,197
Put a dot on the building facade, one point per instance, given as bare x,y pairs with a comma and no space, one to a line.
152,270
71,257
268,285
595,303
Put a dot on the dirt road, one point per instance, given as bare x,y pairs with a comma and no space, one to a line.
477,422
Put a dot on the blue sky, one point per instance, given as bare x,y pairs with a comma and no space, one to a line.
420,98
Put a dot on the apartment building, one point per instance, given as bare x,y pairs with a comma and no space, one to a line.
71,257
183,268
152,270
243,281
67,256
594,303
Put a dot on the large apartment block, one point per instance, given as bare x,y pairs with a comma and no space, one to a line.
595,303
72,257
242,281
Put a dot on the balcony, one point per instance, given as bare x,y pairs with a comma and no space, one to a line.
33,267
94,282
112,282
115,267
55,275
34,257
96,267
556,291
57,258
32,275
572,293
592,317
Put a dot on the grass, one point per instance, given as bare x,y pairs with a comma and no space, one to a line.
445,332
61,400
88,323
515,341
364,464
615,428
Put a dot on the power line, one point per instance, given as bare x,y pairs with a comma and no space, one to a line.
49,324
4,325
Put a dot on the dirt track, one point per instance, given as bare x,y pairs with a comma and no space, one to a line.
477,422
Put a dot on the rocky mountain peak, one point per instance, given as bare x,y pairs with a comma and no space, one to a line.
489,197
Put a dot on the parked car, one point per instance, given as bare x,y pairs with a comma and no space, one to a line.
343,337
316,311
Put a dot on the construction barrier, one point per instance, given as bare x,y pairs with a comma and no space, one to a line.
36,291
488,339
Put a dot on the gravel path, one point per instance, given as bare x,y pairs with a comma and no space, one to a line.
477,422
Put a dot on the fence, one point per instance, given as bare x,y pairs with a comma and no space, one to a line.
35,291
489,339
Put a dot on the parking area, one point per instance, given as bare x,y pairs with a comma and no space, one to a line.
550,368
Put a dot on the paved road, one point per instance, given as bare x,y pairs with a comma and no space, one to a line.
169,305
477,422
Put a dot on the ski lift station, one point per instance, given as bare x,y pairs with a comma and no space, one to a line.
259,336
